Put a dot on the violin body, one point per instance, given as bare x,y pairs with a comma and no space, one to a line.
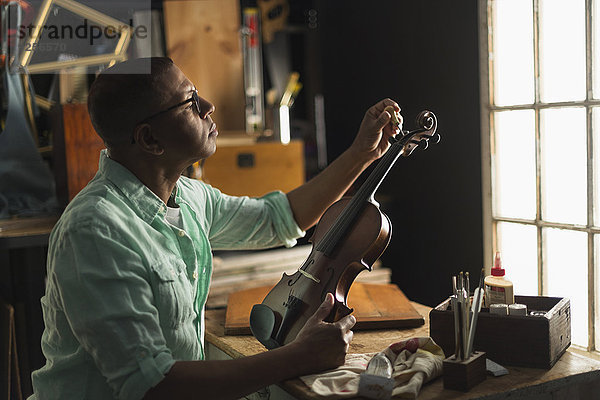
350,236
363,244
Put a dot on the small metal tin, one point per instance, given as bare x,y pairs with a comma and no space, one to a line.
500,309
517,309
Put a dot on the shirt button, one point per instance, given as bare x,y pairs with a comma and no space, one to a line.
161,209
181,233
195,275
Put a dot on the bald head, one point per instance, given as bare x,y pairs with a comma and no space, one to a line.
121,97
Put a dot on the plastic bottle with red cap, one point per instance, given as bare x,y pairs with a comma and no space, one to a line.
498,289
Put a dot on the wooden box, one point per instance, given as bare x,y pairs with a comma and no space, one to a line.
526,341
255,169
464,374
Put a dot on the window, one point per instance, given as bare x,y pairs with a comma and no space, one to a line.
541,127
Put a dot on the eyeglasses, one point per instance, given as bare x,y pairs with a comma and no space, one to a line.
195,100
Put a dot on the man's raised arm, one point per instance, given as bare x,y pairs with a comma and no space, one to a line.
309,201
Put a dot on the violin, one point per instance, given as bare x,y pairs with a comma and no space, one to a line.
350,236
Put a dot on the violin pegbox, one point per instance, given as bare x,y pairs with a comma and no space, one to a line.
426,130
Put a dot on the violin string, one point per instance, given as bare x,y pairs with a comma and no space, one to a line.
348,215
334,234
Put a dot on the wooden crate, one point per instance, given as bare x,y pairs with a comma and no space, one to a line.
76,150
256,169
526,341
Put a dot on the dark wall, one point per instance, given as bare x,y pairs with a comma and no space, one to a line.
423,54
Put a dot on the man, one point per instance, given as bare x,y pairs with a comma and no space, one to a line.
129,262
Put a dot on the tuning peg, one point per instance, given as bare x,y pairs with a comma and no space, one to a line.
436,138
422,144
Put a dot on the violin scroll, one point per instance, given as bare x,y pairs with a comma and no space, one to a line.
426,123
426,120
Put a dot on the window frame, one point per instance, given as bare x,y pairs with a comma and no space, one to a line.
488,108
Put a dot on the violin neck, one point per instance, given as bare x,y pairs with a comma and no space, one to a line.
365,193
371,184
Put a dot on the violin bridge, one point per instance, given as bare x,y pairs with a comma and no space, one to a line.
309,276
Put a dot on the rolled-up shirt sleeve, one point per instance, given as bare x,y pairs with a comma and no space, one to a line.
108,301
251,223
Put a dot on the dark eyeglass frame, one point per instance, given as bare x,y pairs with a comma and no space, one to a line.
195,100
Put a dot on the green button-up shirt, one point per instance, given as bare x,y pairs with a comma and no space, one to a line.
126,289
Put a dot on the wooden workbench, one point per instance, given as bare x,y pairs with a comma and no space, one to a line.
573,377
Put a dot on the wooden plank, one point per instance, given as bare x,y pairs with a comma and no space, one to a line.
382,306
203,39
220,292
375,307
18,227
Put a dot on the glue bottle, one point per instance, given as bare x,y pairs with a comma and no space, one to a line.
498,289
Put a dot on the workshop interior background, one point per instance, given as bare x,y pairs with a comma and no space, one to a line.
349,54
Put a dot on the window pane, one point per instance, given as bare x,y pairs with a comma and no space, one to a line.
562,50
596,49
518,246
513,52
596,130
514,181
564,170
566,264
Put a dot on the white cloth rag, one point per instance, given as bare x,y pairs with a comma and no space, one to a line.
415,361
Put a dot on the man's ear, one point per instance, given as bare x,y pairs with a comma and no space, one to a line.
143,137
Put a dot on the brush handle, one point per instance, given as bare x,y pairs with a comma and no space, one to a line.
477,299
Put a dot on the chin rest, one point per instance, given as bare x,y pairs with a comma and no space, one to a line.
262,325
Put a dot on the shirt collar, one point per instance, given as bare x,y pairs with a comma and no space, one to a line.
147,203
